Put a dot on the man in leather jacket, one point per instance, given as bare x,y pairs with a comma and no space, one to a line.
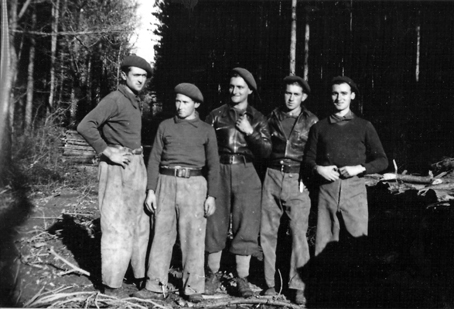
242,135
283,191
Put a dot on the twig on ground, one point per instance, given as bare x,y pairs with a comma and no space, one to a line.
251,302
75,268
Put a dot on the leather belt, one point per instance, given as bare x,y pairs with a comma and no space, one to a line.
179,171
285,168
234,159
137,151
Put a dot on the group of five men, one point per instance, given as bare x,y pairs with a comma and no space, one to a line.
201,182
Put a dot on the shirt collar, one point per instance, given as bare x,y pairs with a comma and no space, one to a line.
335,119
131,96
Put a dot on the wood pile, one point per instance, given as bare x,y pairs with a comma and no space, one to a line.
77,151
442,184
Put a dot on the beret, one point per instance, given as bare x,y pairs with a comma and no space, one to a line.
347,80
136,61
247,76
293,78
189,90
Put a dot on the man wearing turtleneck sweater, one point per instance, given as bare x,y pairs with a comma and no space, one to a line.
340,150
179,196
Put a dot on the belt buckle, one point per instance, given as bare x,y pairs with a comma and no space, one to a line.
182,172
231,159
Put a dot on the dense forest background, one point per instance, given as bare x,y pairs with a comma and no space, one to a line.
399,52
65,56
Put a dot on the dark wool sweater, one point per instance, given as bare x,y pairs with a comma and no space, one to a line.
116,120
186,143
346,143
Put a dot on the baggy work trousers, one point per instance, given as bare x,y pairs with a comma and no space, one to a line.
180,207
344,197
281,196
125,226
241,196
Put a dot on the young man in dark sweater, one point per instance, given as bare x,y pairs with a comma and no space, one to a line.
113,129
340,150
180,197
283,194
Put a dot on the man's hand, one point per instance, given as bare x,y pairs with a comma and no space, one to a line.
118,156
210,206
350,171
244,125
150,201
330,172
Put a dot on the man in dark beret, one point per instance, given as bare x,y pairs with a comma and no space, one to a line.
341,149
113,129
243,136
283,191
179,195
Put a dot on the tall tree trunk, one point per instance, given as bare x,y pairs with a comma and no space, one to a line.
30,79
12,71
53,51
418,47
306,48
293,39
61,77
5,88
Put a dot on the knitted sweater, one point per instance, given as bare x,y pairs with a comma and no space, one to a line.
186,143
345,143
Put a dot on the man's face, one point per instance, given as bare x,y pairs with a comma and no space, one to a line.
135,79
185,106
239,90
342,96
294,96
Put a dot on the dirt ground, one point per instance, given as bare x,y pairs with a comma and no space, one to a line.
406,262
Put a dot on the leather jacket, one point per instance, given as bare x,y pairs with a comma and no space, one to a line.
232,141
289,150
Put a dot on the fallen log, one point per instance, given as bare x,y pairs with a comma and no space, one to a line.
408,178
251,301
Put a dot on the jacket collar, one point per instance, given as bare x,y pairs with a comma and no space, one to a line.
281,114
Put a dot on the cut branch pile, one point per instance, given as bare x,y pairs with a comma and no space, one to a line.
76,150
442,184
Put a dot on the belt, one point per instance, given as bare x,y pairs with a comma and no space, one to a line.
285,168
178,171
137,151
234,159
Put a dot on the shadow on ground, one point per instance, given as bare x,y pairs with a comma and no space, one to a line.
14,211
83,239
405,262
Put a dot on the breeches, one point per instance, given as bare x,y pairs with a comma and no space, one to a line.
240,196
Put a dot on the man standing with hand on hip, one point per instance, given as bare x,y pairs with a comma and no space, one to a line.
113,129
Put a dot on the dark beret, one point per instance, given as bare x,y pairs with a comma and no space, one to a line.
136,61
347,80
189,90
293,78
247,76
